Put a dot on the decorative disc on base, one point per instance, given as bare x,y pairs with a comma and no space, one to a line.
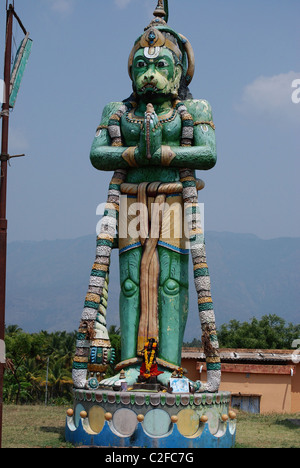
151,420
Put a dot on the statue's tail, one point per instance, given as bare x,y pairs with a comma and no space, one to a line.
202,282
93,349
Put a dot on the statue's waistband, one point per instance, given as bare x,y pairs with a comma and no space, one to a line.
154,188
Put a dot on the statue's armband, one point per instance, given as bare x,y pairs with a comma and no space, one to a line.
106,151
204,127
102,135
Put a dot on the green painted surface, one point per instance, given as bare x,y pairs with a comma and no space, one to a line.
201,156
158,77
20,72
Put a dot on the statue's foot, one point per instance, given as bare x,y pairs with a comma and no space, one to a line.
198,386
131,376
164,379
132,373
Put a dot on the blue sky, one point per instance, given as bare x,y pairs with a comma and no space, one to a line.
247,57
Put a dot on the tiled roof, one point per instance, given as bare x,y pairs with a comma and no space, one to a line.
258,355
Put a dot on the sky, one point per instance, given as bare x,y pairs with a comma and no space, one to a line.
247,62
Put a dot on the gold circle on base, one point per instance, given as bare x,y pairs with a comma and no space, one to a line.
188,422
70,412
96,418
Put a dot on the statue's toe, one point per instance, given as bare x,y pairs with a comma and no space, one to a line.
131,377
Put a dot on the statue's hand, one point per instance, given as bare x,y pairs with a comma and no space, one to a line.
151,135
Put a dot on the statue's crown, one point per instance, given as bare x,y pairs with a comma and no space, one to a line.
158,34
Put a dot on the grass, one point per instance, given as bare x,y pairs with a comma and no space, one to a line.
34,427
268,431
43,427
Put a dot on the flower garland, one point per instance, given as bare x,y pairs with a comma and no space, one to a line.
148,363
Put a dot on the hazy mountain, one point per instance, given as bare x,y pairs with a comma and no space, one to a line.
47,281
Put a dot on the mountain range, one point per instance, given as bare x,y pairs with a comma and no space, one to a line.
47,281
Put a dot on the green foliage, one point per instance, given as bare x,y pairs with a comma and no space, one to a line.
193,344
115,340
270,332
28,356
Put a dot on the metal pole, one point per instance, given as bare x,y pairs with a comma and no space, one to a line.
3,191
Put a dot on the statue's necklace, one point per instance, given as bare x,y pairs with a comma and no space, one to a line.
126,109
137,119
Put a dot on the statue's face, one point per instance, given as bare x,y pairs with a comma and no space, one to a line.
157,74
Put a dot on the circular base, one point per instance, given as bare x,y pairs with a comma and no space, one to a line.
158,419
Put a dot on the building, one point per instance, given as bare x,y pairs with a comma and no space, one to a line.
260,381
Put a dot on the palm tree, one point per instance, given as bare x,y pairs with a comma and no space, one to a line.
59,379
12,329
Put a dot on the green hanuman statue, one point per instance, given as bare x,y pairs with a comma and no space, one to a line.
153,141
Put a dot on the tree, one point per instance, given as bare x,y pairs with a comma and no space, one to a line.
27,355
115,340
270,332
18,346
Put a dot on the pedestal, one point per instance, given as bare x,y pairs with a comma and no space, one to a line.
151,420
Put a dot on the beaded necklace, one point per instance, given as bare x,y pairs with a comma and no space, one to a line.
136,119
114,123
